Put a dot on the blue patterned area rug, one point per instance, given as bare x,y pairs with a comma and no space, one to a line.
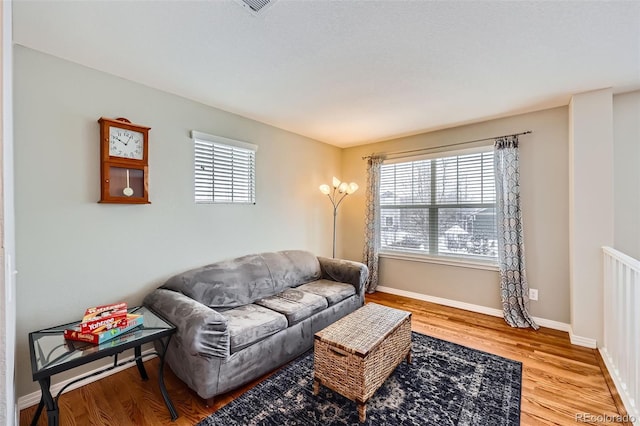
447,384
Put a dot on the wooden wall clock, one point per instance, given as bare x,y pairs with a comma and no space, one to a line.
124,162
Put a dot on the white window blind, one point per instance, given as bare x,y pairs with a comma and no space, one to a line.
444,205
224,170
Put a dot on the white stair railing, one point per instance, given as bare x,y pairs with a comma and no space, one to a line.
621,350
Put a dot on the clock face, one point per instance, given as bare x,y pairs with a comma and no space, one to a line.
125,143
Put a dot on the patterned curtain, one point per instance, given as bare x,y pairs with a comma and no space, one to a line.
372,221
513,279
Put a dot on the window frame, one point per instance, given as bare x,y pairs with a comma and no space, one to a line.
234,146
416,255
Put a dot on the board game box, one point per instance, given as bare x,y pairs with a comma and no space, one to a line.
96,311
130,321
105,317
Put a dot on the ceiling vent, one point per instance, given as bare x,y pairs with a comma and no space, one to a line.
256,7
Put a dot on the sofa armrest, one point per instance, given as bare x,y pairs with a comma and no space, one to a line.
200,329
345,271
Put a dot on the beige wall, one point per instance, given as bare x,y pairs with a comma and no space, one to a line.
544,200
626,151
73,252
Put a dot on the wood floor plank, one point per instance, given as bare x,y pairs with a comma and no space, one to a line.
559,380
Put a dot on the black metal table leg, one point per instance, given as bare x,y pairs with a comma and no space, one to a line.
52,406
163,389
138,354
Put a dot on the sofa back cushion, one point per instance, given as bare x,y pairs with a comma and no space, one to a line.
236,282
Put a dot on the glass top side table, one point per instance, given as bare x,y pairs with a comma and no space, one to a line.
51,354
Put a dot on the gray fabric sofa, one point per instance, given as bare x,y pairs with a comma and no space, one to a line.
240,318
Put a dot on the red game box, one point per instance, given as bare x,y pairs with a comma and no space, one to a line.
130,321
102,318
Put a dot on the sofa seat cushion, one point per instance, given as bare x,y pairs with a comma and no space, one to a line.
333,291
296,305
251,323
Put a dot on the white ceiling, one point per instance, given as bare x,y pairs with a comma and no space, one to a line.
350,72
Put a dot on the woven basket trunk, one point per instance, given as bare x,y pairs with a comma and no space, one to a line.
355,376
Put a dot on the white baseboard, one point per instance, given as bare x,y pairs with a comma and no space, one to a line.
587,342
34,397
441,301
556,325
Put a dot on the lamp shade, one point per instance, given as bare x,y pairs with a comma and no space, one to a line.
343,187
325,189
353,187
336,182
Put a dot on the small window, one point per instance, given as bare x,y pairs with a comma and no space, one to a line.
440,205
224,170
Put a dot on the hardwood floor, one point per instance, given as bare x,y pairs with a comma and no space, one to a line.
559,380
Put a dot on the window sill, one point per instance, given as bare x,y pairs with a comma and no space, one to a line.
463,263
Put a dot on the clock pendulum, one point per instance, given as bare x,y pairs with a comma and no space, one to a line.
127,190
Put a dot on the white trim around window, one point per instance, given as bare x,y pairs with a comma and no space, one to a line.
226,141
440,208
224,170
441,260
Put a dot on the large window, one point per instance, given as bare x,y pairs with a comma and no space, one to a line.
441,205
224,170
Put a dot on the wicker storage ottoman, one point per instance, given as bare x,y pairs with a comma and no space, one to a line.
354,355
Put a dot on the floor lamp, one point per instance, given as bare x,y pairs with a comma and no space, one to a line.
340,190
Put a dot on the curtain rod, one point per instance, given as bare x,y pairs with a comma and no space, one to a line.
446,146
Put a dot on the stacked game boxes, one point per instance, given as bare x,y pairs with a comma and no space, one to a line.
102,323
